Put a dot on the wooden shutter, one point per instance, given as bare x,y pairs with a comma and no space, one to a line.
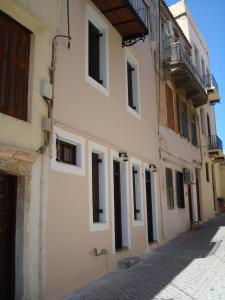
178,114
169,188
194,130
184,120
14,67
95,186
180,190
130,70
94,52
170,108
134,172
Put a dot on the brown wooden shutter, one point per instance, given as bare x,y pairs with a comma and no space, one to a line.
130,70
170,108
94,52
95,186
134,172
178,114
14,67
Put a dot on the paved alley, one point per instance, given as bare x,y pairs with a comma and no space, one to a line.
189,267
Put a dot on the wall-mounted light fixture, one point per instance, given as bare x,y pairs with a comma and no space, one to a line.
153,168
123,155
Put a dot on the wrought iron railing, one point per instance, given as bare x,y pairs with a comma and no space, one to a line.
175,53
211,82
141,9
215,143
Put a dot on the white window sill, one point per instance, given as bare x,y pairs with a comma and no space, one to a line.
99,226
66,168
134,113
97,85
138,223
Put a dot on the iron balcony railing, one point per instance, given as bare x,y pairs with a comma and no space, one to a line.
175,53
211,82
215,143
141,9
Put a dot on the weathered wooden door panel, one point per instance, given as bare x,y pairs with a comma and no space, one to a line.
149,206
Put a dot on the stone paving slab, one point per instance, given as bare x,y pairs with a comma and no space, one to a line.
189,267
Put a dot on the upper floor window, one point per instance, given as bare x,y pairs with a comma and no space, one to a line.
203,122
194,139
170,107
180,190
14,66
184,120
97,54
197,58
133,85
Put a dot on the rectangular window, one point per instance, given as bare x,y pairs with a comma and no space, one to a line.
203,122
207,171
14,67
170,108
180,190
66,153
194,139
94,53
98,187
137,205
169,188
132,85
208,125
184,120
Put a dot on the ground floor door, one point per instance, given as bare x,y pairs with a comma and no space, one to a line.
149,206
214,187
8,187
190,203
117,206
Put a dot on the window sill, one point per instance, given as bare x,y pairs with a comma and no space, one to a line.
134,113
138,223
97,85
67,168
99,226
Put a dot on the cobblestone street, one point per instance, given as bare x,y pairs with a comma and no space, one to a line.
189,267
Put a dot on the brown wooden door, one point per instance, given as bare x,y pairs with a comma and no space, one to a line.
198,196
190,204
95,187
7,236
149,205
117,205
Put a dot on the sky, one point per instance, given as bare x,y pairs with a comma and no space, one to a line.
210,18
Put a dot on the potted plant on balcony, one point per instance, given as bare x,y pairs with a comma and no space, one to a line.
221,204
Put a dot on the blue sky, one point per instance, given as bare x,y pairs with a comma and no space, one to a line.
210,18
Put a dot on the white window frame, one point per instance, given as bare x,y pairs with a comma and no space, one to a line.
124,196
95,18
103,182
129,58
73,139
139,197
155,208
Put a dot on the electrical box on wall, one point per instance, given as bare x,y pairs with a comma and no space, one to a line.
46,89
46,124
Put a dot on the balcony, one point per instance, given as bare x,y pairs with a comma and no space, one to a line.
212,89
129,17
185,75
215,146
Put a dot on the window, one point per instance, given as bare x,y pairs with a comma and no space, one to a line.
203,69
194,139
132,86
208,125
203,123
197,59
169,188
98,187
207,171
170,108
68,152
96,51
180,190
137,191
14,66
184,120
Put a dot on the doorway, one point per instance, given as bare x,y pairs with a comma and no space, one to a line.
148,187
8,195
198,195
190,203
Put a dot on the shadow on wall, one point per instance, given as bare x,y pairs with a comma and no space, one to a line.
182,264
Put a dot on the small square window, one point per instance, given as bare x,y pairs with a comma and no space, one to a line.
66,152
